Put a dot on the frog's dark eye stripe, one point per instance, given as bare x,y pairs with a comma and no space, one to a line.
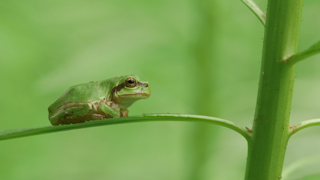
143,84
130,82
116,89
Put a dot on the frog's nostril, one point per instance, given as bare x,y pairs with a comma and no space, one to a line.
147,85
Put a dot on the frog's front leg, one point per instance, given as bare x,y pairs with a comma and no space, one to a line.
110,108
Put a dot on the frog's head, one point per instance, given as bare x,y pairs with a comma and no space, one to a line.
129,90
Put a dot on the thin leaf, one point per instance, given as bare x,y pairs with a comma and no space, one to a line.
303,125
256,10
145,118
313,50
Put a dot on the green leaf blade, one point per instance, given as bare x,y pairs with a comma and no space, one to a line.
304,124
312,50
256,10
145,118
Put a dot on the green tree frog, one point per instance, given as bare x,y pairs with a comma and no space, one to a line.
98,100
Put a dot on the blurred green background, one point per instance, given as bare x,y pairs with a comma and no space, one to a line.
200,57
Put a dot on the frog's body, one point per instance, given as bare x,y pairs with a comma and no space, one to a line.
98,100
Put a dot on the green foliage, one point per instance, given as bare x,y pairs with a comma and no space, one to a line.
313,50
256,10
145,118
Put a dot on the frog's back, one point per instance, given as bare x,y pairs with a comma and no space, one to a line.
88,92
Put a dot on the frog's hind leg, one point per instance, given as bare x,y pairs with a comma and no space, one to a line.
73,115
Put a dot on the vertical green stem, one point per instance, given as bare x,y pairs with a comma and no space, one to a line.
267,149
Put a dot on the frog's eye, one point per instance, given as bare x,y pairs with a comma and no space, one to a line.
130,82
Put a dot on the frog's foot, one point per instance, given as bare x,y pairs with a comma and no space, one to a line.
124,113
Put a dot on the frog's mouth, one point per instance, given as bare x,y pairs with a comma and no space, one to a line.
126,100
135,94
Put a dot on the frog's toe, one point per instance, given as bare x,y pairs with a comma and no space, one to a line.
124,113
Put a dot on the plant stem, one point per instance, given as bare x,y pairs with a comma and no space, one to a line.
313,50
303,125
256,10
267,148
132,119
